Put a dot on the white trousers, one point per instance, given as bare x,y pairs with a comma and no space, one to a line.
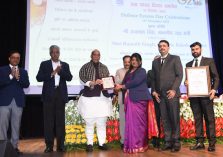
100,127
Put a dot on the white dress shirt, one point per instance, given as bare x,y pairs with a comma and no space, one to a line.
56,77
163,58
198,61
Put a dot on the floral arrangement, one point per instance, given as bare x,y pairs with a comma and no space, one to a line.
185,109
112,130
187,124
75,125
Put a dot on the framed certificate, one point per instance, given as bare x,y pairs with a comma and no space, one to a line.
198,80
108,82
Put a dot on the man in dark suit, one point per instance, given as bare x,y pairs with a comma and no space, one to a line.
12,81
168,74
203,106
54,74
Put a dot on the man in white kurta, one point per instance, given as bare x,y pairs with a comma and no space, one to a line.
120,74
95,104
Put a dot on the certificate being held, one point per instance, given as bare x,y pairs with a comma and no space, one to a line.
108,82
198,80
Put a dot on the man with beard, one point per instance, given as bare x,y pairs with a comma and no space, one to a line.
120,74
168,74
203,106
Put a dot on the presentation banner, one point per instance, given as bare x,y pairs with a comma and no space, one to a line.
114,27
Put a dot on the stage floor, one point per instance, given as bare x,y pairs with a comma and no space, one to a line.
35,148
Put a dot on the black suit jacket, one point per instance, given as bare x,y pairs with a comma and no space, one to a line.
44,75
212,69
169,76
150,78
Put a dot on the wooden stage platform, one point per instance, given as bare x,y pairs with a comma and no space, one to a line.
35,148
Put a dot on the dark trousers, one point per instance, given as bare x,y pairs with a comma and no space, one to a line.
54,120
170,114
156,140
158,114
203,107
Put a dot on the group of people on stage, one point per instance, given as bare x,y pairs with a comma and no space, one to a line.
95,103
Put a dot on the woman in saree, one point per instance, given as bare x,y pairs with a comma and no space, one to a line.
136,97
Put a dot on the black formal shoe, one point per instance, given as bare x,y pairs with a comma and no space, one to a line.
156,142
18,151
211,147
166,147
61,149
197,146
48,150
176,149
122,146
89,148
103,147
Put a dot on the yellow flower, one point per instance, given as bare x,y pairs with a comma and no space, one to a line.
68,136
72,140
95,135
77,131
78,141
68,126
73,136
95,140
68,140
79,126
75,126
84,140
83,135
67,131
72,130
78,135
82,130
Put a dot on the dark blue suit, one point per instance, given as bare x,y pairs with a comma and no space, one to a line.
137,86
10,89
54,99
44,75
12,101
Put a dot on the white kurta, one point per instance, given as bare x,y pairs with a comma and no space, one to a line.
94,107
